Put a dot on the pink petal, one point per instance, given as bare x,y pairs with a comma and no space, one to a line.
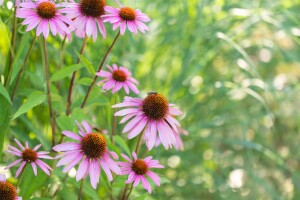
154,177
20,168
71,135
94,173
19,144
13,164
82,169
34,168
146,184
67,146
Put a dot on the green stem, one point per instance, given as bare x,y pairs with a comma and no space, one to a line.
131,187
61,60
22,68
80,190
99,69
114,128
52,118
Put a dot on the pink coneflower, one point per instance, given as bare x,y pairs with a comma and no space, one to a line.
138,170
117,78
154,114
126,16
91,150
44,15
29,156
7,190
86,15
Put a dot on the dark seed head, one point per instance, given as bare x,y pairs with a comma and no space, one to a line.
92,8
155,106
139,167
119,75
46,10
7,191
93,145
127,14
29,155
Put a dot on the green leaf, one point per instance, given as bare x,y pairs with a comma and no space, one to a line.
39,198
4,93
87,63
121,142
34,99
5,118
65,122
65,71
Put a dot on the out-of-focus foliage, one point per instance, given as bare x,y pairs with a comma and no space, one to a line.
233,67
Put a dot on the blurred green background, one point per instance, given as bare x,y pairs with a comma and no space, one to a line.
233,67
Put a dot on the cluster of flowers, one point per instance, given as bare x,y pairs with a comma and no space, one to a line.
81,18
152,117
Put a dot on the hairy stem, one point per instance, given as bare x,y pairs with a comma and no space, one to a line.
22,68
69,103
52,118
99,69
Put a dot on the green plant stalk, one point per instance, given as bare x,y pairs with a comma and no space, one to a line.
21,175
99,69
52,118
22,68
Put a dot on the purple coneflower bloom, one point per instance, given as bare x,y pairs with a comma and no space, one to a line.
138,170
44,15
7,190
116,78
154,115
91,149
29,156
86,15
126,16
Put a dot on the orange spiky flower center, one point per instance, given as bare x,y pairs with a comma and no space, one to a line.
7,191
46,10
155,106
139,166
119,75
29,155
93,145
92,8
127,14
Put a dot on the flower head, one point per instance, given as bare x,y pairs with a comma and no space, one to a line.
126,16
86,15
29,156
91,150
139,170
116,78
45,15
7,190
154,115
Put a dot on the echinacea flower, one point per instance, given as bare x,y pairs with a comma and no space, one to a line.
29,156
152,114
126,17
7,190
45,15
91,149
86,15
138,170
116,78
